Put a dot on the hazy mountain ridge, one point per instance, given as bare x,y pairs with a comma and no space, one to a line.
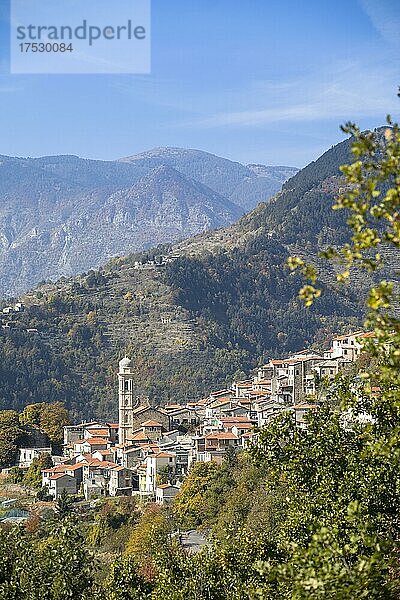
231,179
61,215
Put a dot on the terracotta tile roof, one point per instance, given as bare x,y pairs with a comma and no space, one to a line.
151,424
139,436
57,469
113,425
222,402
74,467
153,448
223,435
98,432
133,449
93,441
103,464
165,455
219,392
87,456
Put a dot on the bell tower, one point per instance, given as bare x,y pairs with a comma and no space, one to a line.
127,402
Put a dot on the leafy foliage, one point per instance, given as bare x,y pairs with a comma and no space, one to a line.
33,476
57,568
50,418
10,433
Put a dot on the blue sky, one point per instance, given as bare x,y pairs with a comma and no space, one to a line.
265,81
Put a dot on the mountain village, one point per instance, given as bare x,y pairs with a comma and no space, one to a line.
151,449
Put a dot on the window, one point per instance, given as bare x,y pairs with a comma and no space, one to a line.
126,385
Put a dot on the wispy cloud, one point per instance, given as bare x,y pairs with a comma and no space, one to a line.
385,17
349,92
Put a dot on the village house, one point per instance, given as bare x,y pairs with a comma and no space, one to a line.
165,493
184,417
96,431
61,482
120,483
27,455
347,346
153,430
73,433
90,445
96,478
154,465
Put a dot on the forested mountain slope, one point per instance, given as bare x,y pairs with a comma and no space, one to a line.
218,304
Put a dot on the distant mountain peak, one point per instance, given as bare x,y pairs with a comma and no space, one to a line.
165,152
87,211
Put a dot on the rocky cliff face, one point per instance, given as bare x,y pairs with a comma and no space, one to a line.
64,215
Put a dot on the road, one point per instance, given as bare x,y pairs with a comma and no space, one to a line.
193,540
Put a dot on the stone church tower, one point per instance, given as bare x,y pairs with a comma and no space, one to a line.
127,400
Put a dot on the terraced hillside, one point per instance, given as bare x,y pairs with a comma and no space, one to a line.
192,315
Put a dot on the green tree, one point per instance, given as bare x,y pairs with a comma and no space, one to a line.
125,582
147,536
33,476
51,418
16,475
58,567
64,504
10,433
31,415
190,505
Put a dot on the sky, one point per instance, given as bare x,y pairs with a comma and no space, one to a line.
265,81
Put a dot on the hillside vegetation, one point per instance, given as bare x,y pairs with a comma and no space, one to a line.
224,302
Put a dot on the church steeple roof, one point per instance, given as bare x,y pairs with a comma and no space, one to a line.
125,362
